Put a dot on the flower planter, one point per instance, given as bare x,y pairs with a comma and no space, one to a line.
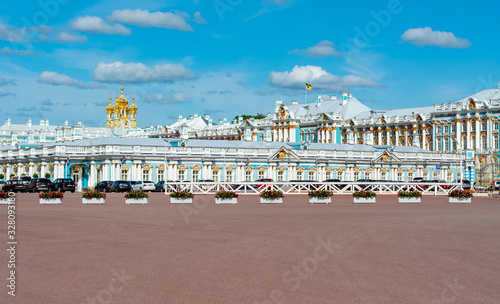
181,201
316,200
5,201
410,200
226,201
134,201
364,200
93,201
275,201
54,201
456,200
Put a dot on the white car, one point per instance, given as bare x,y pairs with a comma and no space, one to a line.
143,185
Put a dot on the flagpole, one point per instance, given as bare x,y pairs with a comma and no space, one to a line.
305,101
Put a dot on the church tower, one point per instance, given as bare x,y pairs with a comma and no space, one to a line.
120,116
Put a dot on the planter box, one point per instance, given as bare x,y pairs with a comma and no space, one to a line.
5,202
93,201
55,201
454,200
276,201
315,200
181,201
131,201
362,200
410,200
226,201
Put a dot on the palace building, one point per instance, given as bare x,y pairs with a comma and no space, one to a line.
328,138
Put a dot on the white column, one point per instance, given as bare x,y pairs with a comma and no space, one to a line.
92,175
458,133
105,171
489,138
478,134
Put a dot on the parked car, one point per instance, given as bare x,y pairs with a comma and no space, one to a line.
337,181
38,184
365,186
104,186
497,185
160,186
63,184
121,186
14,185
466,184
143,185
263,180
25,179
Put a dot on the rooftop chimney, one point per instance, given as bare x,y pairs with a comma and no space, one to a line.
240,119
318,100
295,102
210,122
179,117
28,122
8,122
333,97
207,116
65,123
345,98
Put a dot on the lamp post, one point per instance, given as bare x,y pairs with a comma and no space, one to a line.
461,167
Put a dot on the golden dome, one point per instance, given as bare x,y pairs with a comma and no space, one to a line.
109,108
121,101
133,106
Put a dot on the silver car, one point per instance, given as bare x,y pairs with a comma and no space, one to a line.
143,185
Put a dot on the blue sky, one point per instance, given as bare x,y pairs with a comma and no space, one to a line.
60,59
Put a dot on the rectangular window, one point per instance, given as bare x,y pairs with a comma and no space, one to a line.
495,126
367,175
229,176
340,175
328,175
400,176
161,175
384,175
182,175
356,176
261,174
215,176
124,174
280,176
248,176
300,176
449,177
426,176
145,174
410,176
311,176
196,176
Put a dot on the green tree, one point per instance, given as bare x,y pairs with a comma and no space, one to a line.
246,117
35,175
47,175
2,176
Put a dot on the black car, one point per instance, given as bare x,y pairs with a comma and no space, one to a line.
25,179
63,184
121,186
104,186
38,184
14,185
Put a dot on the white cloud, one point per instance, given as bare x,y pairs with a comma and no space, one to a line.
144,18
95,25
426,36
139,73
4,92
7,81
8,51
322,49
57,79
199,19
318,78
12,34
180,97
66,37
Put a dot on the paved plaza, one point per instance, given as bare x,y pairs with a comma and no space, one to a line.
433,252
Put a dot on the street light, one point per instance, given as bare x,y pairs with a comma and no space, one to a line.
461,168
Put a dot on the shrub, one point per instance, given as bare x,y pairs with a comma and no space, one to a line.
2,176
47,175
35,175
271,195
226,195
136,195
409,194
51,195
320,194
4,195
461,194
93,195
364,194
184,194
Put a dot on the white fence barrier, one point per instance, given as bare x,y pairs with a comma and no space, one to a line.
256,188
